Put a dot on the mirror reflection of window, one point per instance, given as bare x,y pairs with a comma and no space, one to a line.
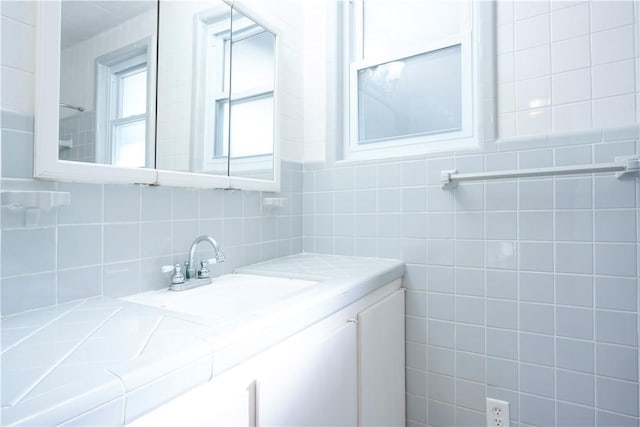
106,82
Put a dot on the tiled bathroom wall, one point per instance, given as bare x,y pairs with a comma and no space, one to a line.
113,239
522,290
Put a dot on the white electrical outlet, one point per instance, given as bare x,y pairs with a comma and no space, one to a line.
497,413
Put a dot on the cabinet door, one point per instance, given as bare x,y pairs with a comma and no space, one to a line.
381,376
228,400
313,382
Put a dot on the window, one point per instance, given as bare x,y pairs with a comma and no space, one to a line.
410,79
122,107
239,92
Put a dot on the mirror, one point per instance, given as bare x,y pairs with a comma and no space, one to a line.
156,92
106,111
216,92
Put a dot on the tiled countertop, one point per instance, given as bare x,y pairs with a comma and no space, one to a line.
83,361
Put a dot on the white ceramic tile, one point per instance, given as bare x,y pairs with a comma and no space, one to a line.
572,117
570,54
570,22
614,111
613,79
506,97
533,122
531,32
506,67
526,8
612,45
17,38
532,62
575,225
533,93
505,38
609,14
571,86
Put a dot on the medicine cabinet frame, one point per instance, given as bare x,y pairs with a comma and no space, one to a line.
47,164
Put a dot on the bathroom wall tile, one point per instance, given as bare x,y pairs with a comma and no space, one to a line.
156,239
574,322
616,327
416,382
537,318
470,338
573,193
501,196
387,174
121,242
79,283
231,205
615,226
440,252
531,32
365,202
570,54
416,330
71,254
365,176
469,281
617,362
416,303
605,418
536,195
414,199
414,250
469,253
501,225
574,415
536,256
615,259
575,155
610,14
416,355
440,414
413,173
502,284
440,225
537,349
441,388
617,396
535,225
389,200
469,197
575,355
502,313
532,62
441,306
469,225
574,258
574,290
614,111
17,153
441,361
441,333
570,22
27,292
469,310
616,293
151,276
121,203
536,410
470,395
574,225
121,279
440,278
539,380
611,192
28,251
575,387
86,203
536,287
502,373
469,418
416,409
502,343
613,79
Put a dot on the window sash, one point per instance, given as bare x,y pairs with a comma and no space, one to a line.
353,50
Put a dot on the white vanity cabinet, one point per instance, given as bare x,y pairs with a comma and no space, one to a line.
345,370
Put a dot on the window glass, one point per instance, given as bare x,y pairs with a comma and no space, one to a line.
252,68
251,126
130,144
133,93
406,24
411,96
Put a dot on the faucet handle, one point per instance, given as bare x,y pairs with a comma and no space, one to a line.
203,272
177,277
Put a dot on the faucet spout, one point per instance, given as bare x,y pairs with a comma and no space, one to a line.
219,256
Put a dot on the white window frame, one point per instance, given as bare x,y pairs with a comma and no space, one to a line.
109,70
468,137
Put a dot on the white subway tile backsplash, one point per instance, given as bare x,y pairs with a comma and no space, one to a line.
570,54
613,45
570,21
610,14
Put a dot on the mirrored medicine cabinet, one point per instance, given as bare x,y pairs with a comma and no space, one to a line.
160,93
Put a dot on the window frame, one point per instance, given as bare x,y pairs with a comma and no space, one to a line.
469,137
110,69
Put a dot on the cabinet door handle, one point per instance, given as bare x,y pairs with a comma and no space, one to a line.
352,321
253,390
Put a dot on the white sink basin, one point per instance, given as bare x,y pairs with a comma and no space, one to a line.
227,296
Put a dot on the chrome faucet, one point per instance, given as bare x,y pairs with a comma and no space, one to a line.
191,278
